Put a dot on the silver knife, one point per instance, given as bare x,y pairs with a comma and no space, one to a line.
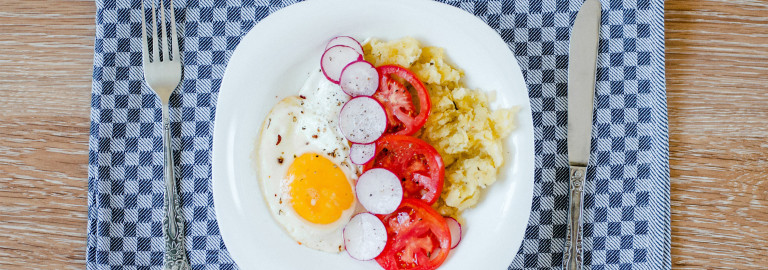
582,60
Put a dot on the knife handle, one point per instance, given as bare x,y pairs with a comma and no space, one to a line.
574,255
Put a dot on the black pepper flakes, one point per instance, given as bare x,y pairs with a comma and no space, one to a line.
280,160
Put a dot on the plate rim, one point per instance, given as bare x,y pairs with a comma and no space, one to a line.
285,10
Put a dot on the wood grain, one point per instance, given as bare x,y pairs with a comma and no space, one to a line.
46,52
717,87
717,83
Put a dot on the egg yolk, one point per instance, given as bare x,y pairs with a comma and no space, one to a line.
319,189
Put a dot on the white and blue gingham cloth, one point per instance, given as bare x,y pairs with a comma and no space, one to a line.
627,187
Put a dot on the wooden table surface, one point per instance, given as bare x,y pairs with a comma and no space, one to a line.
717,87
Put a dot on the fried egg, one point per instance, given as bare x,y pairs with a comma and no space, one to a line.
303,165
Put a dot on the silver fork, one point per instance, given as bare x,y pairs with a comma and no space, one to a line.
163,76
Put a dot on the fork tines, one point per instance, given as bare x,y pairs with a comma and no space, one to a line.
168,55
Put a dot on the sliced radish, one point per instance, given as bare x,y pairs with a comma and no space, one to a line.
346,41
379,191
455,229
362,120
334,60
359,78
361,153
364,237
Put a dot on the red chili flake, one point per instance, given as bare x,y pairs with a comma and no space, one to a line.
279,138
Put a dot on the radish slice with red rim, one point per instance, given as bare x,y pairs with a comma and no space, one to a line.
346,41
362,120
361,153
379,191
359,78
334,60
455,228
364,237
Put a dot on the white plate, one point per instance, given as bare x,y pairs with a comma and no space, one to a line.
273,60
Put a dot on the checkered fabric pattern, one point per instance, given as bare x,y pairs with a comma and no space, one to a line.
627,186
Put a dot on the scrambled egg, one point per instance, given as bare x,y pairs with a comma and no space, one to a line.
461,126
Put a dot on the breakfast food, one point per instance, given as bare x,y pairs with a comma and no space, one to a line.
418,237
455,227
361,153
461,125
303,165
362,120
405,115
416,163
385,130
379,191
365,237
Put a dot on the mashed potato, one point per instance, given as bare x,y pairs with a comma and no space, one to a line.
461,125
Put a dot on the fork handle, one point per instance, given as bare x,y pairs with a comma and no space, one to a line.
173,220
573,257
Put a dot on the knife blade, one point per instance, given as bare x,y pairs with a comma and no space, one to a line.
582,61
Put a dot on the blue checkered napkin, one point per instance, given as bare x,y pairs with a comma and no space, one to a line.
627,188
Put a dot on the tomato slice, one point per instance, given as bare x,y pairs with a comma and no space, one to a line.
417,164
402,117
418,238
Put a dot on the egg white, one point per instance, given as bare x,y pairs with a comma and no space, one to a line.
306,123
